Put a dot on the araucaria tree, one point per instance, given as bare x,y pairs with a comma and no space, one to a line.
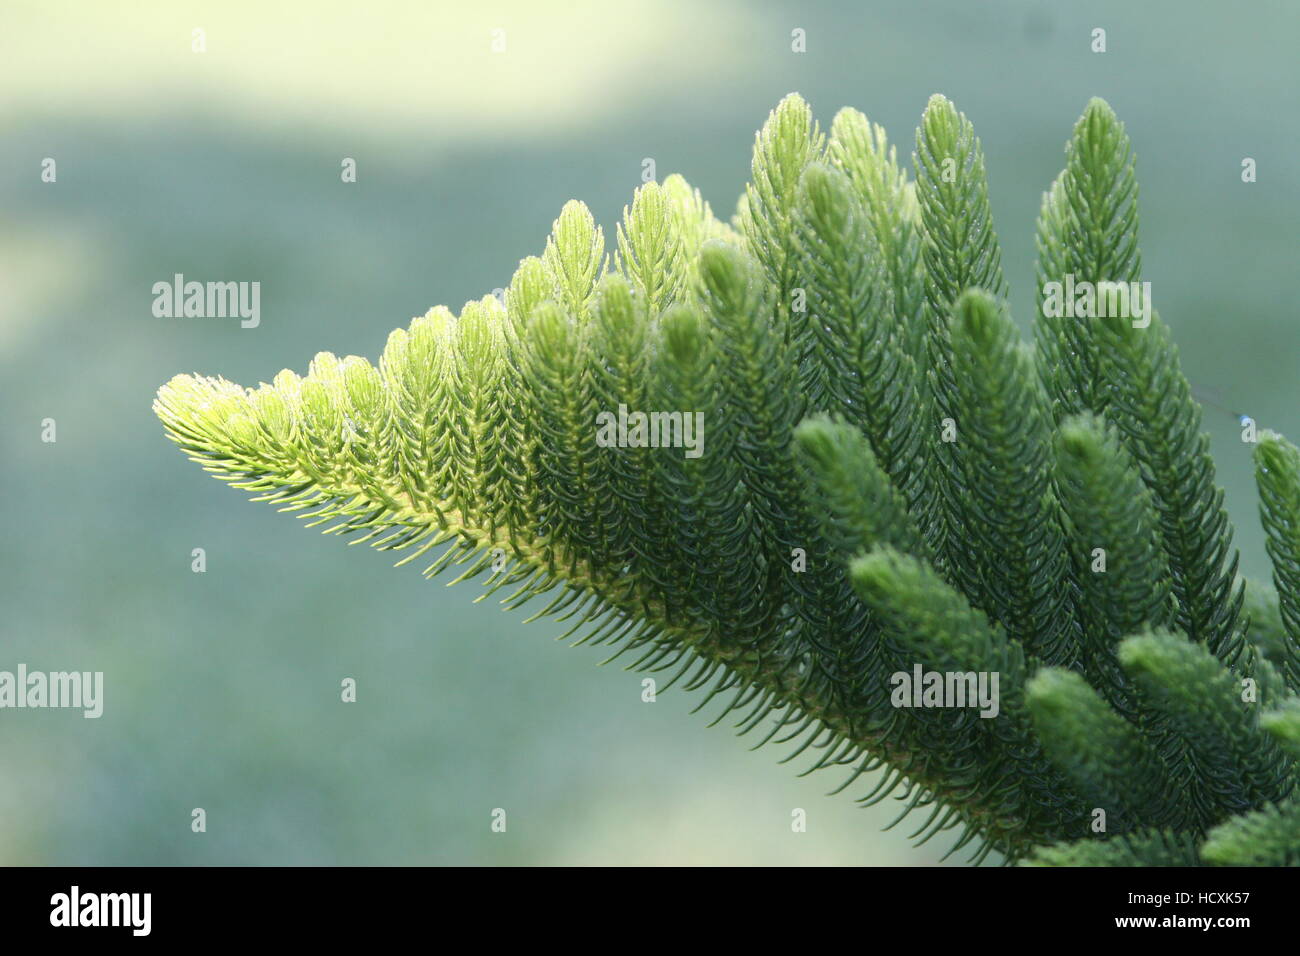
805,460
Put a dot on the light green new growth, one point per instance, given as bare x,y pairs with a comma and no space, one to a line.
885,479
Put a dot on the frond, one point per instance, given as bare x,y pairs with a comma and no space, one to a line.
1152,405
805,464
1087,234
1277,474
959,251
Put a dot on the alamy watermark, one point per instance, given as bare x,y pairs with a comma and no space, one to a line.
37,689
651,430
128,910
923,688
1099,300
208,300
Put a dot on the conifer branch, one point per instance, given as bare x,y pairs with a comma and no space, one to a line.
1087,234
959,251
803,510
1277,474
1152,405
1009,512
1113,540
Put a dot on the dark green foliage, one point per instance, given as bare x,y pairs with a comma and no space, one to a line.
862,348
1108,759
861,150
1122,367
959,247
1268,635
1088,230
845,484
1238,765
1152,405
1267,837
783,148
1148,848
959,251
1012,786
1277,472
1008,509
889,498
1114,542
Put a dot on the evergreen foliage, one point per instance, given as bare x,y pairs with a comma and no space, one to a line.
887,481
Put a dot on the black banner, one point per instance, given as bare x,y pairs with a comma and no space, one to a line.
374,905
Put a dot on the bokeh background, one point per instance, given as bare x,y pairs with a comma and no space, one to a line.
222,688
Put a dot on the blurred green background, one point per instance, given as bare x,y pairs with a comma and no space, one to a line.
222,689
